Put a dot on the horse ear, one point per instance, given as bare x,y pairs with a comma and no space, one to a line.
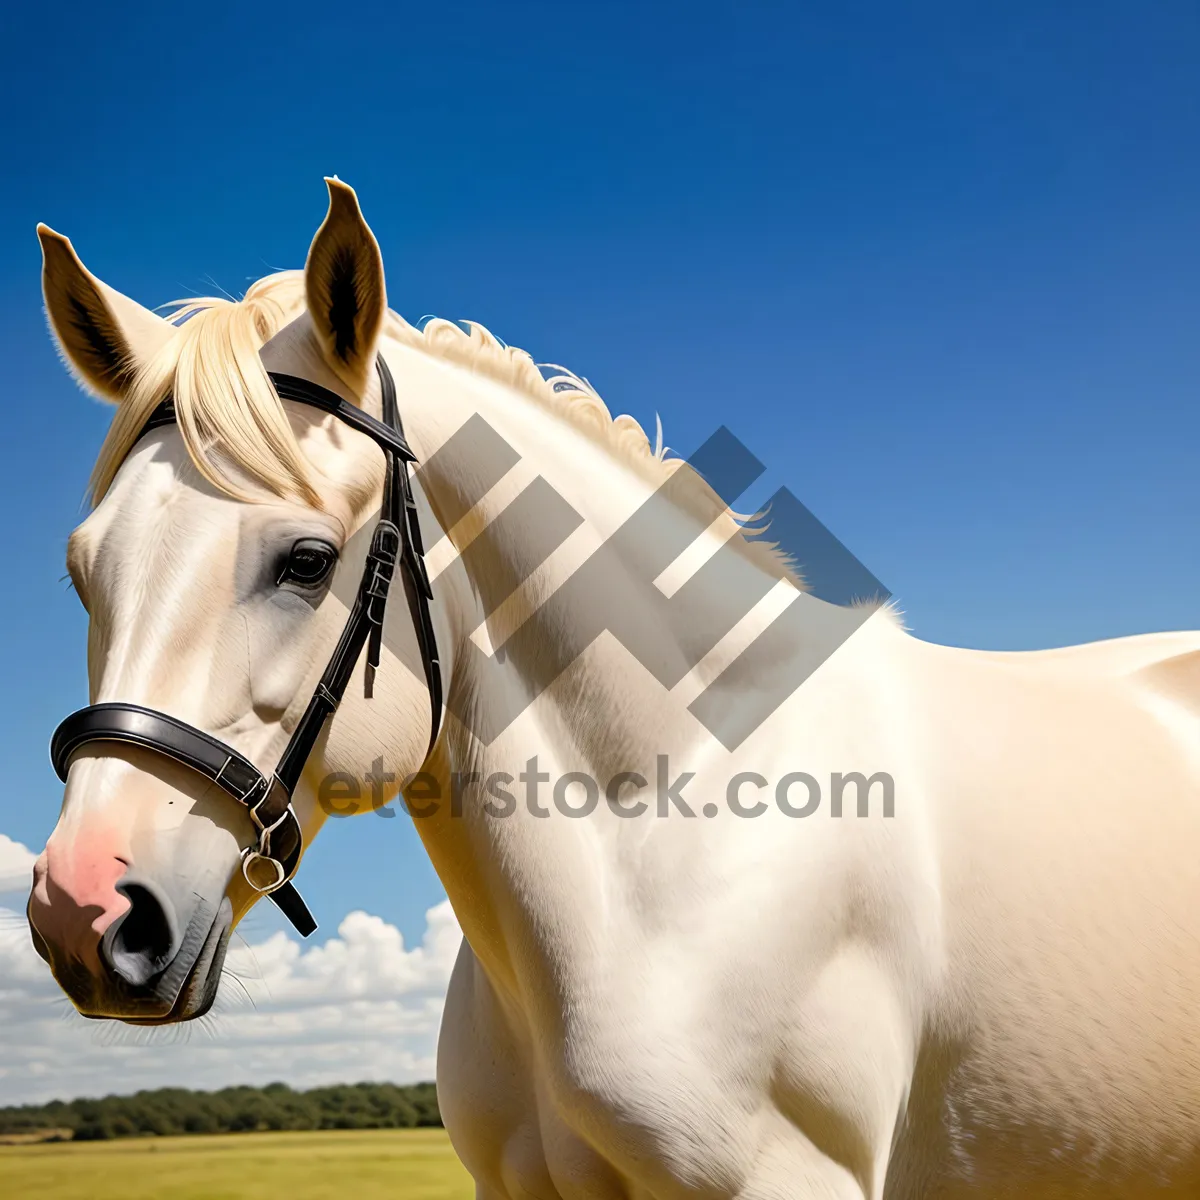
343,281
104,336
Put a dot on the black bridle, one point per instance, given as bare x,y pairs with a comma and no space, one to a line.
270,863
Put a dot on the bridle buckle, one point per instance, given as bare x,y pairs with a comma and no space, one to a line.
381,568
241,791
265,831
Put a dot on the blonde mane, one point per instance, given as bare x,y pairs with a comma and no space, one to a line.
224,400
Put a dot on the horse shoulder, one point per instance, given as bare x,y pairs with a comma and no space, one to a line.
1175,678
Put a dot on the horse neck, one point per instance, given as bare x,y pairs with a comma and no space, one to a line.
528,499
595,711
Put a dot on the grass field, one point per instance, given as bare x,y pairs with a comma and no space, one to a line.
408,1164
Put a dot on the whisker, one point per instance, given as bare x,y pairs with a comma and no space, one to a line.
12,922
241,997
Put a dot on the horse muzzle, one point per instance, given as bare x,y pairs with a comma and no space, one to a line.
157,962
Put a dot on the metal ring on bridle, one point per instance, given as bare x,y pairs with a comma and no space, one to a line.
250,857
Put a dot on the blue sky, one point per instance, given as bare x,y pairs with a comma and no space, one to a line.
936,264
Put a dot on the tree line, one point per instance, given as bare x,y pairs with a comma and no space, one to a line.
167,1111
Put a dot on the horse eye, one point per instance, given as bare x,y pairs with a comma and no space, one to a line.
309,561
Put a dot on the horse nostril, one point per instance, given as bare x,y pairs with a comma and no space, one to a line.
140,943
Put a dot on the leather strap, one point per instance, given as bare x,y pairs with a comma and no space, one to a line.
304,391
400,507
269,804
138,726
389,434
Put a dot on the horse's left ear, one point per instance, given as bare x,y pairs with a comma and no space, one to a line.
343,281
104,336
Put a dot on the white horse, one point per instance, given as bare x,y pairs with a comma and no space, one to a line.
993,991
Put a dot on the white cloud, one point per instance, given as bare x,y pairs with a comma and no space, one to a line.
360,1006
16,866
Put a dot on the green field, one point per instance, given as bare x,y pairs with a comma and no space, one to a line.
412,1164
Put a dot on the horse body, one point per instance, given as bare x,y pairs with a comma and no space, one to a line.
1069,895
981,984
991,995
